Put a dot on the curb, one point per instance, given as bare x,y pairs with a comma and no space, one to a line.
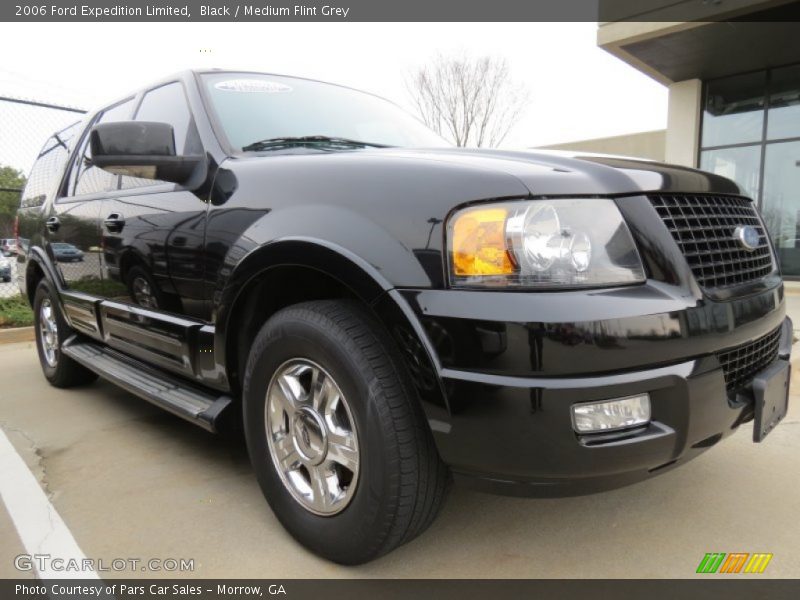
13,335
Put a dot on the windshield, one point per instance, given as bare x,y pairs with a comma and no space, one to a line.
256,108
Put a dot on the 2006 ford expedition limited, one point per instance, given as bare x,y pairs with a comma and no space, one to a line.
383,312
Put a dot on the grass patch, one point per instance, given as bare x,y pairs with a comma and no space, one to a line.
89,284
15,312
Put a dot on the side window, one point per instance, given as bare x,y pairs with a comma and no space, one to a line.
167,104
49,165
87,179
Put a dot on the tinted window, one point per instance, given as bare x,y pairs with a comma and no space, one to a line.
86,179
167,104
49,165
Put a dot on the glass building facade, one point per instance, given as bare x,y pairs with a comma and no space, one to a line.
751,133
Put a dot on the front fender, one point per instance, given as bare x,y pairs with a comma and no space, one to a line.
362,277
365,279
336,240
338,228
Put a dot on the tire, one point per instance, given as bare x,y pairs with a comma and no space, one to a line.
399,483
61,371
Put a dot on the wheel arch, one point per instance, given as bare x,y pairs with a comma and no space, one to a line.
37,268
305,269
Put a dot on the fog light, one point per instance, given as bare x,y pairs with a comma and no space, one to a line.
590,417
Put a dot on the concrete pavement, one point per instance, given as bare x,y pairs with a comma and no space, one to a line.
131,481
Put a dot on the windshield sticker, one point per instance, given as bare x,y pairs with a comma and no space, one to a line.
252,85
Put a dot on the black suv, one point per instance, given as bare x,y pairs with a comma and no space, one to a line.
382,311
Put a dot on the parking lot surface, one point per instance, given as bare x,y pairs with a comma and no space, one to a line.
131,481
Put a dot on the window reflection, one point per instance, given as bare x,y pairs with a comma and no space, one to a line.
742,165
781,202
783,120
734,110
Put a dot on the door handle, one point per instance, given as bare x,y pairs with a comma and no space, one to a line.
114,222
52,224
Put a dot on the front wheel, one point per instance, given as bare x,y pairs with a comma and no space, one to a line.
51,332
335,433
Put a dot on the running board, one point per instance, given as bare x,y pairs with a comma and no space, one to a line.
165,391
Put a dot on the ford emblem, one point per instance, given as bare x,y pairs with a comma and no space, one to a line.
747,236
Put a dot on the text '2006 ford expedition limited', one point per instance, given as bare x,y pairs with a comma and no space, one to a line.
383,312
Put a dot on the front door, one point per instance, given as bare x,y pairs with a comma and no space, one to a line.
73,227
152,240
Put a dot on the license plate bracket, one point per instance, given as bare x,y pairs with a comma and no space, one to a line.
771,393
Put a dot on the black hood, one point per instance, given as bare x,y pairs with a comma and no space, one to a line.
546,173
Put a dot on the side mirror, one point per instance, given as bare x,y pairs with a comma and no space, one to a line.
140,149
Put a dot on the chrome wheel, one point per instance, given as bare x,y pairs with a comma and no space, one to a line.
48,332
312,437
143,293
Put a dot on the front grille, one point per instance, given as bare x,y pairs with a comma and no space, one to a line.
740,364
703,227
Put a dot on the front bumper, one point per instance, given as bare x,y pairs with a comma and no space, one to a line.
509,384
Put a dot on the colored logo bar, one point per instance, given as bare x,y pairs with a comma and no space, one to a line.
734,562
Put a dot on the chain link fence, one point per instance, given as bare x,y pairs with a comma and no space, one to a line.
25,126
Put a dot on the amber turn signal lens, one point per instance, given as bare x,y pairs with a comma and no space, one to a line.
479,243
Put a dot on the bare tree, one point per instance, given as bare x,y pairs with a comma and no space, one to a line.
472,101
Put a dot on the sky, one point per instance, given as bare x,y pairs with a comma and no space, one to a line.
577,90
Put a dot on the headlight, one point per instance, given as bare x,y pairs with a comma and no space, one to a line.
542,243
4,263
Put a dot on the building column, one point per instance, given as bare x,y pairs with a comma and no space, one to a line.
683,122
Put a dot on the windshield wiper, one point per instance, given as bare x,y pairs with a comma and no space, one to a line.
308,140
